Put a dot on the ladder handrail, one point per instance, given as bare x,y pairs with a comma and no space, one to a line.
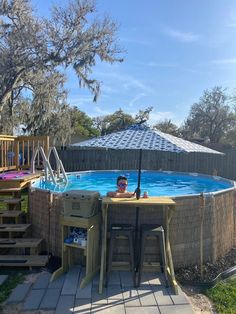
59,164
46,164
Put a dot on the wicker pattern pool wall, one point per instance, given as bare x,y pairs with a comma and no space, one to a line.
219,225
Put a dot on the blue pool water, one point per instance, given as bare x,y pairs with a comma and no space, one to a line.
154,182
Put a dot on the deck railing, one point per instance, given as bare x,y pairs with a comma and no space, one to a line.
16,152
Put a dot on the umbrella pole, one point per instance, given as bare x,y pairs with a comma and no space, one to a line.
138,191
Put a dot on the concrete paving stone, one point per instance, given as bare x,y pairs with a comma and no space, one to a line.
86,292
19,293
109,309
57,283
144,279
82,306
65,304
114,278
114,292
42,281
50,299
142,310
180,298
71,281
34,299
176,309
98,298
126,278
155,278
146,296
3,278
162,295
96,280
131,297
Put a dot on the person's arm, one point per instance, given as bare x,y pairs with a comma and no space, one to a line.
117,194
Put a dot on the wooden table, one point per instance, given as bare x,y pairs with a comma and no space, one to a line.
167,205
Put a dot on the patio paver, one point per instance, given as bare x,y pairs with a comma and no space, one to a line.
65,304
50,299
34,299
19,293
63,296
3,278
71,281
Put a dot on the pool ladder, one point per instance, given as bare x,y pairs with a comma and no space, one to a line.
60,177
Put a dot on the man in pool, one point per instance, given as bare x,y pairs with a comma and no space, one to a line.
121,191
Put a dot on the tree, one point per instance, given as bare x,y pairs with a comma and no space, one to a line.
82,124
210,118
143,115
167,126
32,47
117,121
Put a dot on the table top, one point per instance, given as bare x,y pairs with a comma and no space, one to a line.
142,201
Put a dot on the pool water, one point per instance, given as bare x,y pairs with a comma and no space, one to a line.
156,183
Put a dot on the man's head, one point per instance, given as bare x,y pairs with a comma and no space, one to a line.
121,183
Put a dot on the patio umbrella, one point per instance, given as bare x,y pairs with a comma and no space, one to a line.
142,137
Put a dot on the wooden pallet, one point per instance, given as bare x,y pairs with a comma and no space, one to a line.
23,260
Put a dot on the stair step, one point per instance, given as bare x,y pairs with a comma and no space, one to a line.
19,243
12,201
14,227
11,213
23,260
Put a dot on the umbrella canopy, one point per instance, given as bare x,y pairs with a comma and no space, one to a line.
142,137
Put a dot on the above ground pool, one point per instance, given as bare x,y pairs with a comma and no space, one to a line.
156,183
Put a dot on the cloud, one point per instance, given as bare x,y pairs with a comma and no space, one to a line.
162,65
224,61
137,97
135,41
184,37
153,64
125,81
157,116
231,25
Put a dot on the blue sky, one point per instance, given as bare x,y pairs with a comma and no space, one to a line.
175,49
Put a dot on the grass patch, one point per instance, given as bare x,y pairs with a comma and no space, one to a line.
14,278
223,296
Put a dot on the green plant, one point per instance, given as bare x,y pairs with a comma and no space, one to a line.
223,296
5,289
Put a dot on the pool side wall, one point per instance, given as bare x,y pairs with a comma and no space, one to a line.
219,226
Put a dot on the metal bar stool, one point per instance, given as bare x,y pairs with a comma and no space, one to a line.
148,230
126,230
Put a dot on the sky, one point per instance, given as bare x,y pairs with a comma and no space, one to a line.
174,50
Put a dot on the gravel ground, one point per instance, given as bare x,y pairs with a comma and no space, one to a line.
210,270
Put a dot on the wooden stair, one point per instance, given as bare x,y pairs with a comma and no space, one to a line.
15,214
21,242
17,249
23,260
14,228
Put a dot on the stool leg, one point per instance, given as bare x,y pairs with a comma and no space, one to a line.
131,251
163,255
142,251
109,268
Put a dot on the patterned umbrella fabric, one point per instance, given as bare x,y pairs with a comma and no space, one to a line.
140,136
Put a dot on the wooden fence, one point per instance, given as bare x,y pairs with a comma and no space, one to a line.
75,159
